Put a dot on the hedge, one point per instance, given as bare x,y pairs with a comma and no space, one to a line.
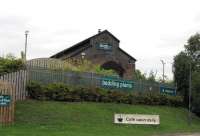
10,64
62,92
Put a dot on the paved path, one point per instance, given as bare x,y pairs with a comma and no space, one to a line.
187,134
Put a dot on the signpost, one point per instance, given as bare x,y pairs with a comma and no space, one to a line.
5,100
137,119
168,90
116,83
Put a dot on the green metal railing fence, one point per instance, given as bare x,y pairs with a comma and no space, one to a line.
50,70
87,79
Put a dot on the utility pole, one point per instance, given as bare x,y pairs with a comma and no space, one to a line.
26,36
163,63
190,91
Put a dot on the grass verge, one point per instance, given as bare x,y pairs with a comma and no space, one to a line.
48,118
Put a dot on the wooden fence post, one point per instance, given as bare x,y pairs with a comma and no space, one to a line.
7,103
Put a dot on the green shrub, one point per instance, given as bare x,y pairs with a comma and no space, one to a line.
196,104
62,92
34,90
56,91
10,64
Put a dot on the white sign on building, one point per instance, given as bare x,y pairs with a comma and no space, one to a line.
137,119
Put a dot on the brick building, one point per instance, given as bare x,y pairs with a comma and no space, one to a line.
102,48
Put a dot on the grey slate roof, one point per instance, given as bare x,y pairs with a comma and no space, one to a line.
74,47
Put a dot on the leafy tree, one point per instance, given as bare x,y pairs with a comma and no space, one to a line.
193,44
138,75
152,76
182,63
181,74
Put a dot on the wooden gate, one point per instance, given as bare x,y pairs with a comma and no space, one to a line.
7,103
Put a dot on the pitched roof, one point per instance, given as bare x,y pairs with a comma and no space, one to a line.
81,43
87,41
127,54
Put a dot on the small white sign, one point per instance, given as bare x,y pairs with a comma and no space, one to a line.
136,119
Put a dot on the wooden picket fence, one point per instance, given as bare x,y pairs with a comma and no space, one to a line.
7,111
48,63
51,63
18,80
12,85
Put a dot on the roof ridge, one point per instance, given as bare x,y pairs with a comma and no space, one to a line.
79,43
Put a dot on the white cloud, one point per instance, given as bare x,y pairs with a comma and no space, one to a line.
148,30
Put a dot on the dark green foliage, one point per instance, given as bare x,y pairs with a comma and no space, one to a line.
182,63
138,75
196,104
34,89
10,64
151,77
196,92
193,44
181,74
62,92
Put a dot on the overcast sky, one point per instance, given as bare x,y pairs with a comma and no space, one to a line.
149,30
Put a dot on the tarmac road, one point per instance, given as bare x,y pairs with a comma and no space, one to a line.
187,135
194,134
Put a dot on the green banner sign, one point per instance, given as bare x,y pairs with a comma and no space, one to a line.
116,83
168,90
5,100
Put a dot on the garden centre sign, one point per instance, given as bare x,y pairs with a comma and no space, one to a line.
116,83
168,91
104,46
5,100
136,119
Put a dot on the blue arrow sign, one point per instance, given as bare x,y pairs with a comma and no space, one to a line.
168,90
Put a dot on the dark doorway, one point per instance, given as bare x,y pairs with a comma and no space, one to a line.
114,66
